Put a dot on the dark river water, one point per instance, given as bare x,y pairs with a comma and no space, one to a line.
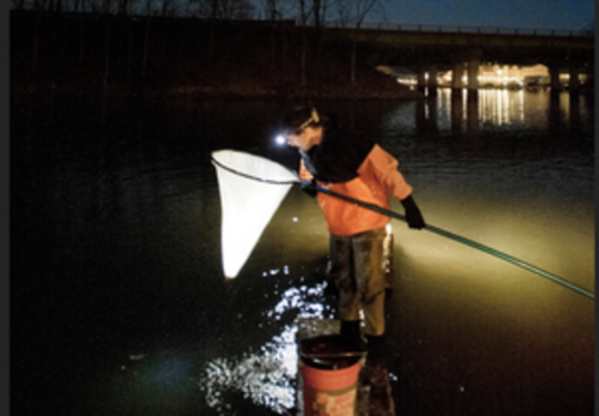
118,301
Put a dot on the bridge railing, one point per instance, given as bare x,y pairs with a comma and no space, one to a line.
458,29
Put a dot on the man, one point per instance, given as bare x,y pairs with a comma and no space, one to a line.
355,166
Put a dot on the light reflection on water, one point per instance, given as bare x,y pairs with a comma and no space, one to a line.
463,114
501,107
266,378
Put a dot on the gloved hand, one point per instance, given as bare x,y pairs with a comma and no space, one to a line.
413,215
309,187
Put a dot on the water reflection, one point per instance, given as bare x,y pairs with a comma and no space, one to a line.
473,115
427,118
456,104
267,378
574,112
452,110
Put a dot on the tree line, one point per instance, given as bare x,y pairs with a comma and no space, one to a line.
183,42
347,13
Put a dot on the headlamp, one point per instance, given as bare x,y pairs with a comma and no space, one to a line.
280,140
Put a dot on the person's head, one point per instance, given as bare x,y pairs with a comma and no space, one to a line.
302,127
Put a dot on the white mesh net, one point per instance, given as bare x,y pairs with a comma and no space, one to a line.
251,189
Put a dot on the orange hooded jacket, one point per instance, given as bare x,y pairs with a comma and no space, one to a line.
377,178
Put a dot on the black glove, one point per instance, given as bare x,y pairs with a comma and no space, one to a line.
413,215
309,187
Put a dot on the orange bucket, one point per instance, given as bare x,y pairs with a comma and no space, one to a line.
330,382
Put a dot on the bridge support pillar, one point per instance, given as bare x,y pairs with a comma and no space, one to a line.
457,81
473,68
421,78
554,77
432,80
574,83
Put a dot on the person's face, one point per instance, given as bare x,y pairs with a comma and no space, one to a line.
298,138
303,139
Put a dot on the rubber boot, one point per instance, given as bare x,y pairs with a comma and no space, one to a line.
351,336
376,353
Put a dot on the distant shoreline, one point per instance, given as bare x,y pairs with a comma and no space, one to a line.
206,91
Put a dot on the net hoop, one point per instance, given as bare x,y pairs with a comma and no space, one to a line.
256,178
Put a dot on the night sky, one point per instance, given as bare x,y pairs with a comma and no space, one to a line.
533,14
517,14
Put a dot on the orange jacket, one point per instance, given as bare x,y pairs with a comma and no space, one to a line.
378,177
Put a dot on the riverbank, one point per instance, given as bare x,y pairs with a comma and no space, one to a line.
372,86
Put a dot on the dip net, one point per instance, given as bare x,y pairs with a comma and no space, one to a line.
251,189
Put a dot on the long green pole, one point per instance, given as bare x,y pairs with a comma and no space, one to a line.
466,241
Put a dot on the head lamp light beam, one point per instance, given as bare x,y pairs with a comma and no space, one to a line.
465,241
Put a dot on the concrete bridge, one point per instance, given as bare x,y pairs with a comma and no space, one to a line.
428,49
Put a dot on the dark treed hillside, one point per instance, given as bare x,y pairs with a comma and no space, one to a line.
184,55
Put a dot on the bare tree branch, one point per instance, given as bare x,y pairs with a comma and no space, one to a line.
224,9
